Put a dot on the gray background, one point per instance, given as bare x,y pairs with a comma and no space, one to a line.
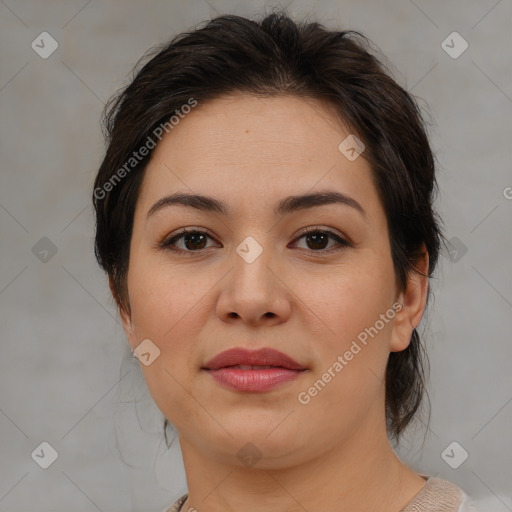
66,374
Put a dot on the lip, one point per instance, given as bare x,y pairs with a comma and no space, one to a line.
262,357
283,369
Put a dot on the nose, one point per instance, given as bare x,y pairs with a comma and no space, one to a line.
254,292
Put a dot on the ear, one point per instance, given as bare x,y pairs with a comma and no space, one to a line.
413,300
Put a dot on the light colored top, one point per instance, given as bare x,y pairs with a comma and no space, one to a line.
437,495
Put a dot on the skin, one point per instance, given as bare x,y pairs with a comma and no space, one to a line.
250,153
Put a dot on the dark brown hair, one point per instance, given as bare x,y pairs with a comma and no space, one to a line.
277,56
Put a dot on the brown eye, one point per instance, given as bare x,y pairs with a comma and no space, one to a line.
193,241
317,241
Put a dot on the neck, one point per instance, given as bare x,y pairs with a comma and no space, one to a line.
360,473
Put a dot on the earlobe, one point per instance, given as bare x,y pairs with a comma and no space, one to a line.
413,300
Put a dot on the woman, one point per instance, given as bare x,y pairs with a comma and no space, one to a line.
265,217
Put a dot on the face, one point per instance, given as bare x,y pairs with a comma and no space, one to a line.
307,278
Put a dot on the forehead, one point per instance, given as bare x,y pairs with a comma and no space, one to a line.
284,127
248,149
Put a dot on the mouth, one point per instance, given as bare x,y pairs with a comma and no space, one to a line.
241,358
250,367
257,371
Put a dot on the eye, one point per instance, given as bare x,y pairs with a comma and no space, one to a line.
317,239
194,241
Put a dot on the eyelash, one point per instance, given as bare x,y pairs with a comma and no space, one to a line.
167,244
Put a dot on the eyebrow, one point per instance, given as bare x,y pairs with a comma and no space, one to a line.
286,206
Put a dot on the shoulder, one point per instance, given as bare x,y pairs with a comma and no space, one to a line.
176,506
468,505
439,495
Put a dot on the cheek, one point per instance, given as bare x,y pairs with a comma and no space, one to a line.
354,315
349,298
167,308
171,306
164,299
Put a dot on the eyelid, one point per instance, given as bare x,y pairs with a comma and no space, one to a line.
342,240
315,229
165,244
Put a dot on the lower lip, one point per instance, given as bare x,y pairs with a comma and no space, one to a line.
253,380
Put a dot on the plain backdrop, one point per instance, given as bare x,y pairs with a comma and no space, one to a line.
67,377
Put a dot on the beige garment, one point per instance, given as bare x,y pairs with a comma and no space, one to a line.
437,495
